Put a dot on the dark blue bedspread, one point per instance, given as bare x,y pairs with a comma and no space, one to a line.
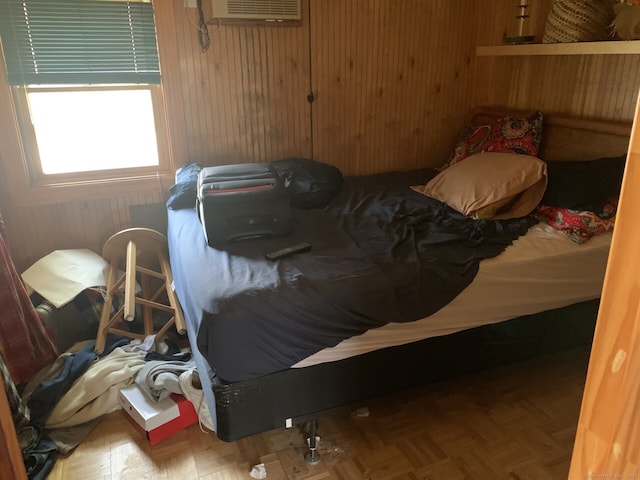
380,253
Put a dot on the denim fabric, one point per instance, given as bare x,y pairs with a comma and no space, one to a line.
184,192
47,394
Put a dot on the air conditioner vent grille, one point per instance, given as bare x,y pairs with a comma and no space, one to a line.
257,9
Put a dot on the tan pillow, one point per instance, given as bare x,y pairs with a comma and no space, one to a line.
490,185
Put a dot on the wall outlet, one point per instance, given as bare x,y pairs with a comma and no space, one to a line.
190,3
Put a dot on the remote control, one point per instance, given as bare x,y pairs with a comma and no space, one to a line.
288,251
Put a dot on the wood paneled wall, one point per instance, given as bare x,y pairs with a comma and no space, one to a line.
393,82
245,98
386,84
390,80
592,86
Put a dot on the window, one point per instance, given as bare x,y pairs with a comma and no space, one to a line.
92,129
85,81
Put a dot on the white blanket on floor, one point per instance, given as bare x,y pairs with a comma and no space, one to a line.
95,393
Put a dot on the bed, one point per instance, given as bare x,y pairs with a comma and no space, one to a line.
357,317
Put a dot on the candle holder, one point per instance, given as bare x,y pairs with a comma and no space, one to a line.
523,22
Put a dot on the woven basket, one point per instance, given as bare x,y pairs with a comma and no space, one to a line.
579,21
627,22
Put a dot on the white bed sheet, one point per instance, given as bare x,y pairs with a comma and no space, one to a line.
542,270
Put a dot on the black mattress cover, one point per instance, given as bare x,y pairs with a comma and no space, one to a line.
380,253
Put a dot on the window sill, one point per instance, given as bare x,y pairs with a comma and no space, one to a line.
46,194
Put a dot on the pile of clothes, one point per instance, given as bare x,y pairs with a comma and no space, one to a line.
56,399
66,399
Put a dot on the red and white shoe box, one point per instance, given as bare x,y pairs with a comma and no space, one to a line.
156,421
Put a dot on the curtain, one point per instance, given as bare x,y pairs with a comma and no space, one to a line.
25,344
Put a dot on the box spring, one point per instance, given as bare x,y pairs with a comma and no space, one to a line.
249,407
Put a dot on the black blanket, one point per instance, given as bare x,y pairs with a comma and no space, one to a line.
380,253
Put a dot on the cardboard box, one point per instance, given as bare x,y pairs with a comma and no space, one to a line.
156,421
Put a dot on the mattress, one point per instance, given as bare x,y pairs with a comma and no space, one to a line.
542,270
539,272
382,253
538,296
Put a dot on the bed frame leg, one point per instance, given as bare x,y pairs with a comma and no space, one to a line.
312,457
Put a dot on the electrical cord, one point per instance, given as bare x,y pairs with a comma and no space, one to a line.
203,30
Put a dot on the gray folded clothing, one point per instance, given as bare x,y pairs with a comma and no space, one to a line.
158,378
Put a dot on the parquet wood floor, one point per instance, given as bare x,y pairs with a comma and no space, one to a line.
514,423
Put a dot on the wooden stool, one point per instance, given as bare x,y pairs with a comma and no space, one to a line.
139,251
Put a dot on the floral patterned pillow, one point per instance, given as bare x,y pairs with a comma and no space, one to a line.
579,225
505,134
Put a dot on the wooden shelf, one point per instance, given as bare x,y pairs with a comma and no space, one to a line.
619,47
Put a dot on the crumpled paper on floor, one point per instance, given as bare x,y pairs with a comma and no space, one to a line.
258,471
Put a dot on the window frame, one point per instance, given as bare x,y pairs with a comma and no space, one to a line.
26,187
20,95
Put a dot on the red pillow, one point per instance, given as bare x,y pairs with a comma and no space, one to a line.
506,134
579,225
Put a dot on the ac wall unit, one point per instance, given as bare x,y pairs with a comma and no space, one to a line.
270,10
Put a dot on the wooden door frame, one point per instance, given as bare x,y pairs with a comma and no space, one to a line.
607,441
